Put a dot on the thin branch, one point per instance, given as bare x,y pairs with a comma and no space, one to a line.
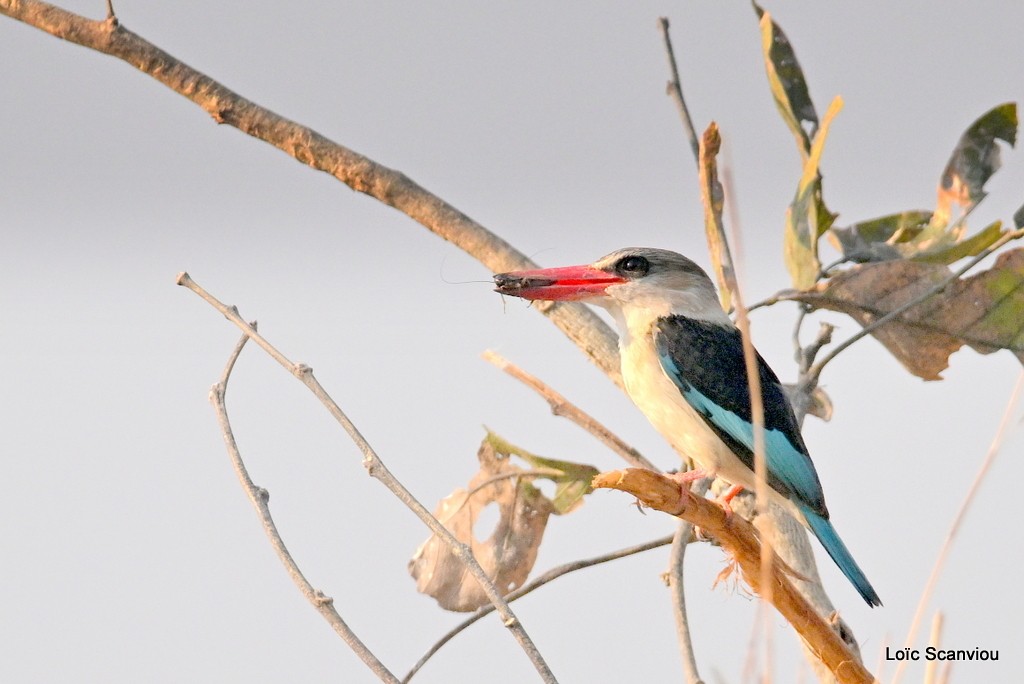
260,499
560,406
682,539
377,469
537,583
675,90
815,371
789,538
393,188
740,539
786,295
947,545
713,199
931,668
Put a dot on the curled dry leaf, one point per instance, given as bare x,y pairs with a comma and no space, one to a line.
984,311
507,555
974,160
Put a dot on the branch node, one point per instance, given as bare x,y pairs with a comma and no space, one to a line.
322,599
112,21
263,494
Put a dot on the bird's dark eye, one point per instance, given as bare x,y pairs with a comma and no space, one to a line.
633,266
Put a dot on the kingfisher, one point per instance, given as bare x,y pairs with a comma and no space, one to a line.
683,367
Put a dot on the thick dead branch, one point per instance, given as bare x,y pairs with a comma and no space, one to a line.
360,173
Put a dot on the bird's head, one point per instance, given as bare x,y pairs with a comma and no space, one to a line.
656,281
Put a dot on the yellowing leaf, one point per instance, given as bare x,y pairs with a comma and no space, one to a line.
807,218
984,311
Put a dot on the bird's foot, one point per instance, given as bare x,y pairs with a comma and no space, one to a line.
687,478
725,500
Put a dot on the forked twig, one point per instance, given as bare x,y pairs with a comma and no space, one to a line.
537,583
260,499
377,470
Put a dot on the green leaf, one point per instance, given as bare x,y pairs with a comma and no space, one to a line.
807,218
878,239
572,480
947,254
973,162
789,88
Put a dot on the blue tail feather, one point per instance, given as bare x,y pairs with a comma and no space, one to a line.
829,538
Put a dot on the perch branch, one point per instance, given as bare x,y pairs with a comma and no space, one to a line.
537,583
376,468
739,538
260,499
560,406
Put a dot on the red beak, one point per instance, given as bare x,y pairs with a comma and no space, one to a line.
568,283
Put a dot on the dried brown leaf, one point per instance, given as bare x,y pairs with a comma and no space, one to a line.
507,555
984,311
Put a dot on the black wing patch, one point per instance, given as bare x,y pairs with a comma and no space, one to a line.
705,361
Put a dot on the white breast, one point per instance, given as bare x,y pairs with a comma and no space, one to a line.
660,400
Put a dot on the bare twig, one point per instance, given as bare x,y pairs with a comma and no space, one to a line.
681,539
537,583
377,469
786,295
740,539
815,370
713,198
260,499
931,668
560,406
675,90
591,334
947,545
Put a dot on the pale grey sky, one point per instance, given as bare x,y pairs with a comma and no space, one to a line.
130,553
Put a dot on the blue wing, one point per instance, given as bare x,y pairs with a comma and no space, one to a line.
705,361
